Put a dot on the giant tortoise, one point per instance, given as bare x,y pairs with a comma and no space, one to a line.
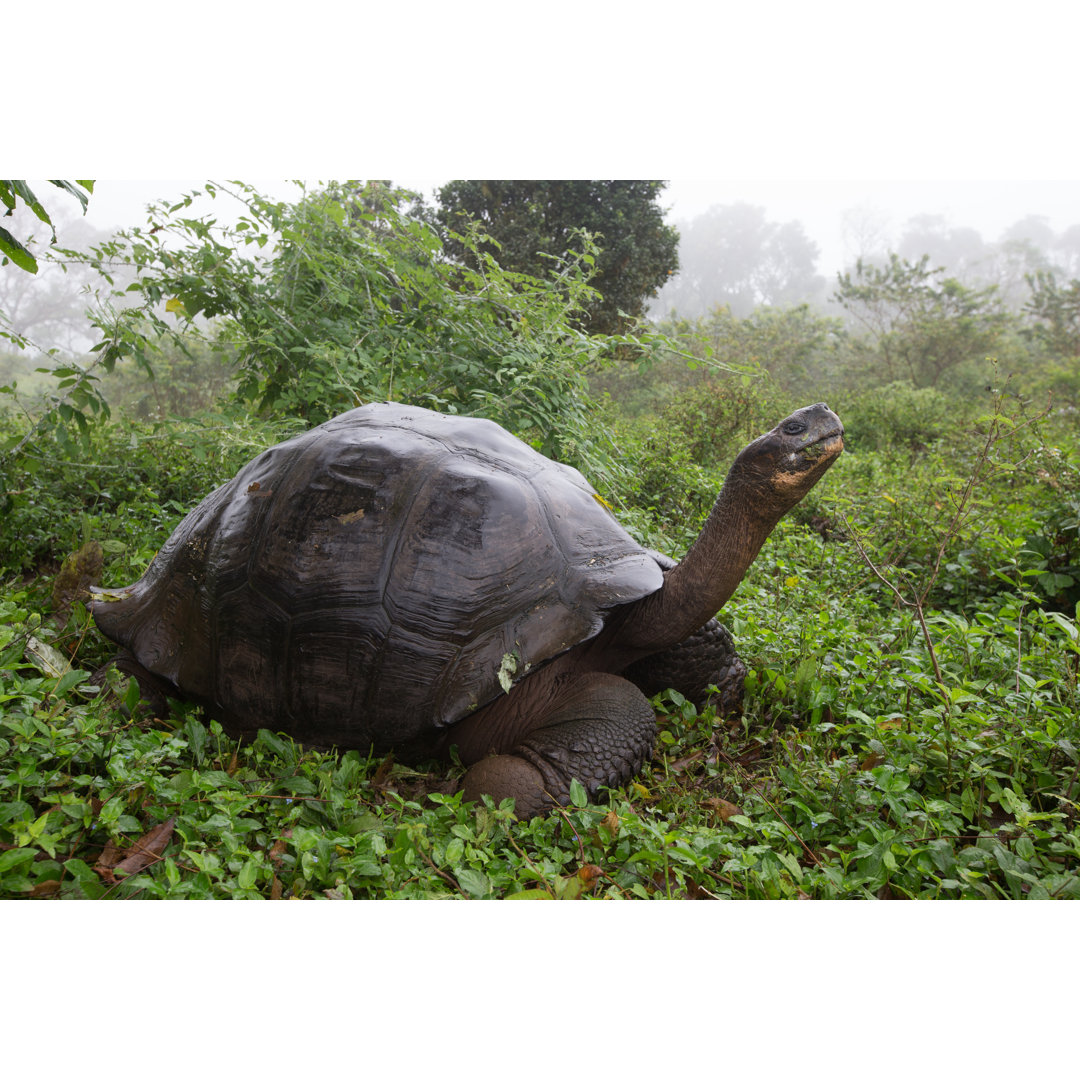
399,579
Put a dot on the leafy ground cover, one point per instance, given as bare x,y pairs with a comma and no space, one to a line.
887,749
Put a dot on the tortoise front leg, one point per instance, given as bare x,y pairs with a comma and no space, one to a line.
706,658
600,731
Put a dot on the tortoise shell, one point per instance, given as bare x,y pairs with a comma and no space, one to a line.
362,583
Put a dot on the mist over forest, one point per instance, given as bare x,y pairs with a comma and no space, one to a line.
732,254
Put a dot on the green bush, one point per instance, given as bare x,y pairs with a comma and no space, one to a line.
128,486
898,416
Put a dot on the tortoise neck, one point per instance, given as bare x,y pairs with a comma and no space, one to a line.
699,586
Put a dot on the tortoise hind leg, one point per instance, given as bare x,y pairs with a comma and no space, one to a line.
600,731
153,689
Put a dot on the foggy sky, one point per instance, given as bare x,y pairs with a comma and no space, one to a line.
989,207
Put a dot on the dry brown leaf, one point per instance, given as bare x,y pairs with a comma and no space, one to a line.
610,821
110,856
383,771
147,848
276,852
694,891
589,874
722,808
871,761
275,888
683,763
44,890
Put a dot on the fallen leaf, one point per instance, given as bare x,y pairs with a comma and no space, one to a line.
694,891
44,890
109,858
589,874
871,761
278,850
147,849
722,808
684,763
383,771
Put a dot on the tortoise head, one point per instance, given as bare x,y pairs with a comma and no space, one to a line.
781,466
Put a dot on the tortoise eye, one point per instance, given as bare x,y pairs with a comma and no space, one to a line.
794,427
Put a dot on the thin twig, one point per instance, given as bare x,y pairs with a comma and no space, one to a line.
1019,645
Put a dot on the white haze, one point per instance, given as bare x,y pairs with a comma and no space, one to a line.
822,206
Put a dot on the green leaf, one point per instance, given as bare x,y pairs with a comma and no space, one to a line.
11,247
69,680
16,857
272,743
1052,583
71,189
196,737
474,882
1066,624
506,670
578,795
22,189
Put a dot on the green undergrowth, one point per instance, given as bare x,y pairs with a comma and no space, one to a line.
850,774
885,750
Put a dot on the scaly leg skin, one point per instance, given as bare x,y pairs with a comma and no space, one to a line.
707,657
153,691
600,732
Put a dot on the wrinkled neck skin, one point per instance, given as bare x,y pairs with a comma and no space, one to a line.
699,586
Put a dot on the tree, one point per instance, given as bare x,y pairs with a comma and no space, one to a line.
343,298
1035,229
1067,251
795,345
1056,309
961,249
731,255
921,323
531,221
